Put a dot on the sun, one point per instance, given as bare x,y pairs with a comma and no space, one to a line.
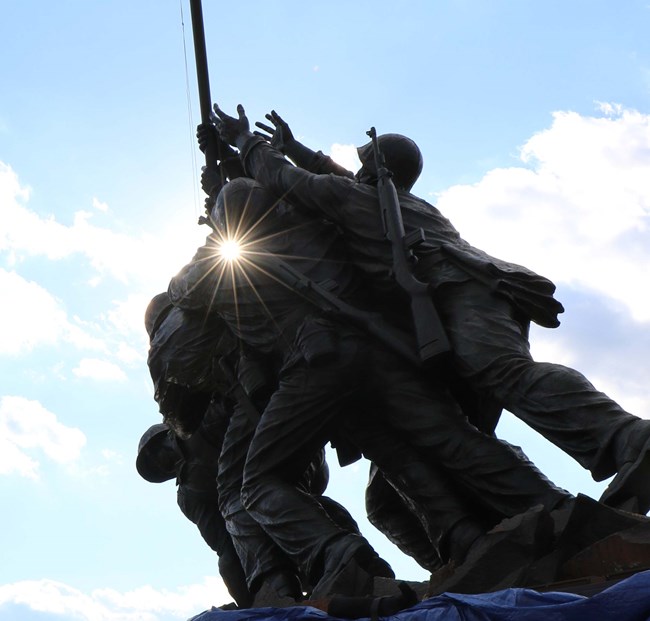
230,250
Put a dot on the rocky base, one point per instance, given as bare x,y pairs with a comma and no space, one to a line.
587,544
582,550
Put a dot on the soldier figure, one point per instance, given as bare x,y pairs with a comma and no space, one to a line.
326,367
162,456
485,305
189,362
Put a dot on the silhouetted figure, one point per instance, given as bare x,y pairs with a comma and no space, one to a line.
193,463
189,355
325,367
485,305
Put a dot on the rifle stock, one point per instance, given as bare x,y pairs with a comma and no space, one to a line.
429,334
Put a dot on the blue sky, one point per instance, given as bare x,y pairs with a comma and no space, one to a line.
534,121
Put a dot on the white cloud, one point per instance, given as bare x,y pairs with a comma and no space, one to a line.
141,604
13,460
130,356
631,398
127,316
99,205
34,317
577,210
144,258
346,156
112,456
579,213
618,372
26,426
10,189
102,370
548,349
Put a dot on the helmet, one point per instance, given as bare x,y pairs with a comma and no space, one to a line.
241,205
149,469
156,312
402,156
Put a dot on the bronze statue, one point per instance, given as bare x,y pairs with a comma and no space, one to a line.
485,305
279,290
162,456
189,361
325,364
269,344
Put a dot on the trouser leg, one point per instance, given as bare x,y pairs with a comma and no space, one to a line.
293,427
339,514
491,352
490,471
258,554
389,514
233,576
202,508
422,491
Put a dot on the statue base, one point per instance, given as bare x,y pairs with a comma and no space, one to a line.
587,558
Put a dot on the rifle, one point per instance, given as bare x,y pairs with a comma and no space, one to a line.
320,294
217,152
429,332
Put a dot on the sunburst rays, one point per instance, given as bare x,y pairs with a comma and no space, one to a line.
238,256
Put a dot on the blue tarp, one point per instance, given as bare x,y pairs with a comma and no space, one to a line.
628,600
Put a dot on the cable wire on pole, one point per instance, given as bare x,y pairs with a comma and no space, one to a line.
190,119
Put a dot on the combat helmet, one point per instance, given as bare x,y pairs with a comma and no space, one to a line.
149,469
156,312
241,206
402,156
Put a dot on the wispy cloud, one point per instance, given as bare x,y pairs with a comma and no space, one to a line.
127,316
27,431
346,156
101,370
35,317
99,205
124,257
577,210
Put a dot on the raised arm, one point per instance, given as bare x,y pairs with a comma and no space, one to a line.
281,137
323,194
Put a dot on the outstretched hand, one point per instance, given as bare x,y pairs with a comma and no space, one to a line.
280,135
229,127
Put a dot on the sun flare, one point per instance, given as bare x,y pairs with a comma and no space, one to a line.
230,250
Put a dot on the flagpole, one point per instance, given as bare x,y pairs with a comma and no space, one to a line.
202,76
